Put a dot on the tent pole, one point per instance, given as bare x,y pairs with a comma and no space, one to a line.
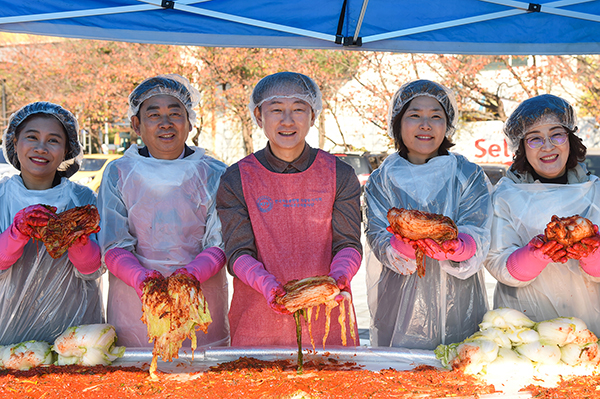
360,20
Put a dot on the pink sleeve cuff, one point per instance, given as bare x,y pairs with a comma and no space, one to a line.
253,273
524,265
125,266
86,258
345,263
12,242
243,265
207,263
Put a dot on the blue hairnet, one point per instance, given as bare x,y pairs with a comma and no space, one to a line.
286,85
532,110
408,91
69,122
173,85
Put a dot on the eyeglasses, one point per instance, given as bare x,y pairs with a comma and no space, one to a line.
556,139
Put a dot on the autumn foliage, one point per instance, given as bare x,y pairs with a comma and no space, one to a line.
94,78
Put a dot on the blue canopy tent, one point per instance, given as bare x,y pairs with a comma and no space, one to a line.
424,26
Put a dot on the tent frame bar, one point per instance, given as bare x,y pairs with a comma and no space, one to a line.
515,8
180,5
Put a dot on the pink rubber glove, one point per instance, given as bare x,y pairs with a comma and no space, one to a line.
85,255
126,267
403,245
12,242
343,267
254,274
458,250
32,216
527,263
205,265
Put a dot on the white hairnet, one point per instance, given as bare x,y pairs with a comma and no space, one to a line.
286,85
408,91
531,111
74,154
173,85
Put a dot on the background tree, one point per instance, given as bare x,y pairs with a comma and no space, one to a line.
90,78
486,87
94,78
587,75
227,77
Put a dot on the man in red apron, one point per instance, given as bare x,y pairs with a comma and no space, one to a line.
288,212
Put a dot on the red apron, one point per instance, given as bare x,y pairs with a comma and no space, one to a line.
291,220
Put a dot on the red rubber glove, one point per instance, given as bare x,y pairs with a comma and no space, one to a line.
585,247
205,265
126,267
16,236
85,255
458,250
527,263
343,267
32,216
254,274
587,253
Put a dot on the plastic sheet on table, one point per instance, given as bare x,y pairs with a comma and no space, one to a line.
367,358
375,359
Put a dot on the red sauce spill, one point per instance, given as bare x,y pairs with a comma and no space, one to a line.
252,378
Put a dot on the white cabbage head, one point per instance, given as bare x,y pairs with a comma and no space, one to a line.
540,353
473,355
505,318
26,355
88,345
565,330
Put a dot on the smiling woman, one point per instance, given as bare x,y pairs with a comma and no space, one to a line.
547,181
41,148
59,286
424,177
423,128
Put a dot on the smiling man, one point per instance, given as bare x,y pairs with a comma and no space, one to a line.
288,212
157,208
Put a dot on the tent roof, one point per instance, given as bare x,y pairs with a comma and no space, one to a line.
424,26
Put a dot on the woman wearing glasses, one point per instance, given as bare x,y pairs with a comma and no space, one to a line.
543,279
